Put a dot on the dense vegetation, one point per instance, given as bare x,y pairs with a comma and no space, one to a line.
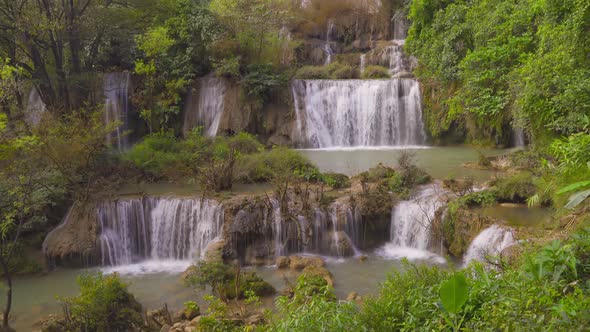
486,64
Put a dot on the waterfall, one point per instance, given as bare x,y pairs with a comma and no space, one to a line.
116,92
490,242
159,229
358,113
518,137
410,226
204,106
363,64
35,107
327,46
399,25
394,54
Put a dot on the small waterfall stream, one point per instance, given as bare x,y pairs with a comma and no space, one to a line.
116,93
35,107
410,227
157,229
358,113
327,46
490,242
204,105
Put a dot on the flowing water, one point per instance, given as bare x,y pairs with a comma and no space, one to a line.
204,105
327,47
116,92
358,113
490,242
146,232
35,107
410,226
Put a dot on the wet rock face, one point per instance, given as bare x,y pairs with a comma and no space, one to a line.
74,242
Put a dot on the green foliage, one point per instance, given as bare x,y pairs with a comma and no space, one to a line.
217,318
572,151
104,304
492,62
261,80
266,165
214,274
376,72
313,308
454,293
336,180
227,67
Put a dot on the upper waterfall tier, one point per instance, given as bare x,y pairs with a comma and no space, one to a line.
358,113
116,91
132,230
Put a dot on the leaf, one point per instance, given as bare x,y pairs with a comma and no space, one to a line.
574,186
577,198
454,293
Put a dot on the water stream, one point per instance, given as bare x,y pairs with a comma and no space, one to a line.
204,105
116,92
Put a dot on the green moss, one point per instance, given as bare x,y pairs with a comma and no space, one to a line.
336,180
516,188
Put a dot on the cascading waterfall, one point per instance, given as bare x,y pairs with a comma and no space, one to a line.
204,106
518,137
160,229
490,242
363,63
35,107
116,91
398,63
410,226
327,46
358,113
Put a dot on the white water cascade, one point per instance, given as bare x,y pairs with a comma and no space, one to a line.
358,113
363,63
410,227
518,137
327,46
490,242
204,106
116,92
35,107
157,229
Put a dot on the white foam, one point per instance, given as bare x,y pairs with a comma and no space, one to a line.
150,267
391,251
370,148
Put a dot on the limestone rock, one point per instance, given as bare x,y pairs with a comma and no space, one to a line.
283,262
321,272
353,296
165,328
341,245
301,262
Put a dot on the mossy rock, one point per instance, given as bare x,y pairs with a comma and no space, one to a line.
249,281
516,188
377,173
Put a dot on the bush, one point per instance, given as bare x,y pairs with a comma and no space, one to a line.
104,304
228,67
336,180
376,72
266,165
313,73
261,80
156,155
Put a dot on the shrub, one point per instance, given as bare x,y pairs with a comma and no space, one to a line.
104,304
228,67
336,180
260,80
376,72
156,154
266,165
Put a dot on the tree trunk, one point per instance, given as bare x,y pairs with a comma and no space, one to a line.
8,279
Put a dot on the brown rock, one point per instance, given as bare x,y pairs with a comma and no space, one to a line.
321,272
283,262
301,262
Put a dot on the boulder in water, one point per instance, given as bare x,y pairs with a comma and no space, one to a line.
301,262
320,271
283,262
